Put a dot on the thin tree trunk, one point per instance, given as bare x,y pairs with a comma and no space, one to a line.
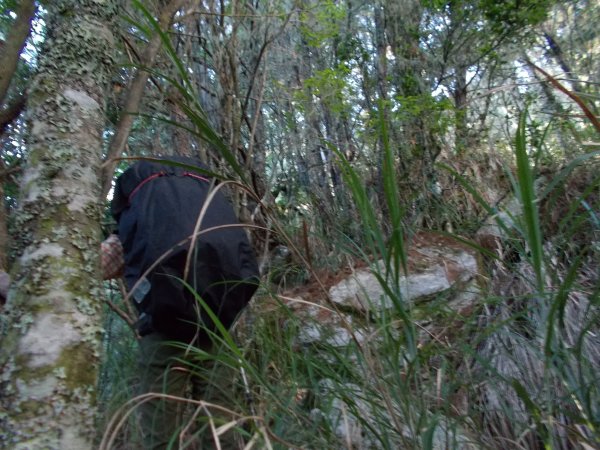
556,51
460,109
420,144
382,90
134,97
49,356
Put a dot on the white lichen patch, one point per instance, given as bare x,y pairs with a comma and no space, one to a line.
38,388
48,336
82,100
81,199
39,128
74,440
59,191
42,251
30,185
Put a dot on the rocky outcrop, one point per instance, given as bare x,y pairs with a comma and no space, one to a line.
436,265
438,268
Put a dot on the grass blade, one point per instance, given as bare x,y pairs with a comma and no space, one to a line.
526,194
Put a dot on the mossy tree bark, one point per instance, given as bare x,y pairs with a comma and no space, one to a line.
50,342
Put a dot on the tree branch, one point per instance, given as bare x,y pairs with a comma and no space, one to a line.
14,44
122,314
8,115
588,113
557,52
134,97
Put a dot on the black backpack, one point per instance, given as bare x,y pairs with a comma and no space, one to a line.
157,207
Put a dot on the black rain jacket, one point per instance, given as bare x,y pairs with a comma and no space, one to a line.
157,207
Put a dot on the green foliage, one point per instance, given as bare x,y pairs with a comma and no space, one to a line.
6,8
527,196
415,384
511,14
549,313
403,387
118,378
322,22
189,104
351,48
379,244
426,107
332,88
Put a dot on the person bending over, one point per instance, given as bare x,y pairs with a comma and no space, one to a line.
184,253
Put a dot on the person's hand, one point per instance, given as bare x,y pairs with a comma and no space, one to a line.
112,262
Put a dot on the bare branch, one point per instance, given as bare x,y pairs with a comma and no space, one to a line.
588,113
134,97
14,44
8,115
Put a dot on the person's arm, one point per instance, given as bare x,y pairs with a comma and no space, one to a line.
111,261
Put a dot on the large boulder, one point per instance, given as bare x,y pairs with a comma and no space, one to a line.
435,265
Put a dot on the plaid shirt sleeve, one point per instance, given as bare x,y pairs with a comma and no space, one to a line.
112,262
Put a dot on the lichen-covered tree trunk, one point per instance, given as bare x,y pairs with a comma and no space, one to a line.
49,352
3,230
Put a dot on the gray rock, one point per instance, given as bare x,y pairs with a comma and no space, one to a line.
435,271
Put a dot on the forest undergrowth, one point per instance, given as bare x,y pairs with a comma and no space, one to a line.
520,371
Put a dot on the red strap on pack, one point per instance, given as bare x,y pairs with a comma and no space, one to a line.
162,174
197,177
144,181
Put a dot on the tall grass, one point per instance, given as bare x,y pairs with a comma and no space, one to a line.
543,353
521,372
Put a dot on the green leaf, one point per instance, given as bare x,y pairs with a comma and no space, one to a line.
527,197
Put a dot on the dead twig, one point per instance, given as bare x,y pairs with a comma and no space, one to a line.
554,82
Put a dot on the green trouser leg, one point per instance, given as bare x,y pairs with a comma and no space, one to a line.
162,372
215,384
